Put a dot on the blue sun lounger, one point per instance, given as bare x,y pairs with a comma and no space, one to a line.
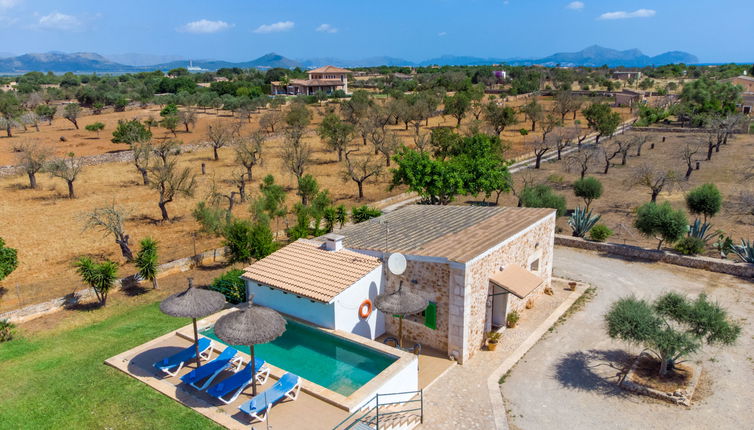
287,387
209,371
238,382
179,359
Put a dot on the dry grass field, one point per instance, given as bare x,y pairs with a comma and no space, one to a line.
619,201
47,229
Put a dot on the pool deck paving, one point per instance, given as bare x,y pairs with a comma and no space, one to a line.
468,396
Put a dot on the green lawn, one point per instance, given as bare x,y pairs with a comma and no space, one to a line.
58,379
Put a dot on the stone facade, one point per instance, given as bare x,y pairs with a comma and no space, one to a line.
430,280
535,243
462,291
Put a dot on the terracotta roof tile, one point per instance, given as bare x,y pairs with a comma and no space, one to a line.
305,268
458,233
329,69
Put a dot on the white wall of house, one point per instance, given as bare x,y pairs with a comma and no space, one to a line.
321,314
348,302
405,380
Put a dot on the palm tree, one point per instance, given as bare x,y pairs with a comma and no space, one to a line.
99,276
146,260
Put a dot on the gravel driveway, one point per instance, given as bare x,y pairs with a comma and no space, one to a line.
567,380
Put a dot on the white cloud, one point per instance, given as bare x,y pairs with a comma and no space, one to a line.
205,26
575,5
59,21
276,27
442,33
639,13
327,28
7,4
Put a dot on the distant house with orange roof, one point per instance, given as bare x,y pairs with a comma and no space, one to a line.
327,79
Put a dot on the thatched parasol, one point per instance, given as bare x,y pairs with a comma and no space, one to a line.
401,303
193,303
250,325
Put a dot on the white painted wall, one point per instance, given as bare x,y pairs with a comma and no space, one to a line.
347,307
406,379
322,314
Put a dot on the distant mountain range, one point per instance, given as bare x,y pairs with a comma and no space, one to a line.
90,62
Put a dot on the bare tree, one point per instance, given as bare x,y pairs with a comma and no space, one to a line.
581,161
110,220
421,140
249,151
385,143
562,137
270,119
653,178
608,154
166,149
142,156
624,145
639,140
689,155
742,203
67,169
32,159
360,170
296,154
549,123
238,177
220,134
539,147
170,181
30,118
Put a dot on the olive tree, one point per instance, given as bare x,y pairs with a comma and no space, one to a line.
67,169
110,220
32,159
170,181
248,151
661,222
672,327
360,170
71,112
220,134
655,179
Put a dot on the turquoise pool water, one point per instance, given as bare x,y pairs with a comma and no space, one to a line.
330,361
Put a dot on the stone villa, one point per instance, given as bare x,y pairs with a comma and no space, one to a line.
327,79
473,264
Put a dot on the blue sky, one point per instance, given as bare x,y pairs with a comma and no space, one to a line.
714,30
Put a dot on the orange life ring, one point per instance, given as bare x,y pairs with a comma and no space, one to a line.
364,313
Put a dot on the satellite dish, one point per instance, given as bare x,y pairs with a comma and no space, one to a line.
396,263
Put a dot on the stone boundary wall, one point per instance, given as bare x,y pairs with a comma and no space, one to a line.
110,157
165,269
678,130
743,270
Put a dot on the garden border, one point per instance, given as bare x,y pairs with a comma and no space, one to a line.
744,270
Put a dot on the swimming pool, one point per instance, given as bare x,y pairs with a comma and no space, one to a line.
320,357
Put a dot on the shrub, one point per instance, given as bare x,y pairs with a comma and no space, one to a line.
690,245
7,330
212,219
231,286
542,196
512,318
600,233
364,213
8,260
247,241
704,200
588,189
661,222
523,132
555,179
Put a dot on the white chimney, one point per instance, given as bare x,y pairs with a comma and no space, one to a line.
334,242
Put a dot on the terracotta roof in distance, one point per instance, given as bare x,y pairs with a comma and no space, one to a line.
306,269
329,69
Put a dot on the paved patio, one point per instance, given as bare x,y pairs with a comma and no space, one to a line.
461,399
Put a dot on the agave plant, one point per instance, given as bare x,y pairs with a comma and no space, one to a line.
745,250
700,230
582,221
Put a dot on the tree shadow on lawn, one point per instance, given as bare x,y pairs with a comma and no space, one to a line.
132,288
598,371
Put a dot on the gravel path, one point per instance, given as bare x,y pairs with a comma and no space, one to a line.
567,380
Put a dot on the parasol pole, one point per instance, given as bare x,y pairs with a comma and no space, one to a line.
196,344
253,373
